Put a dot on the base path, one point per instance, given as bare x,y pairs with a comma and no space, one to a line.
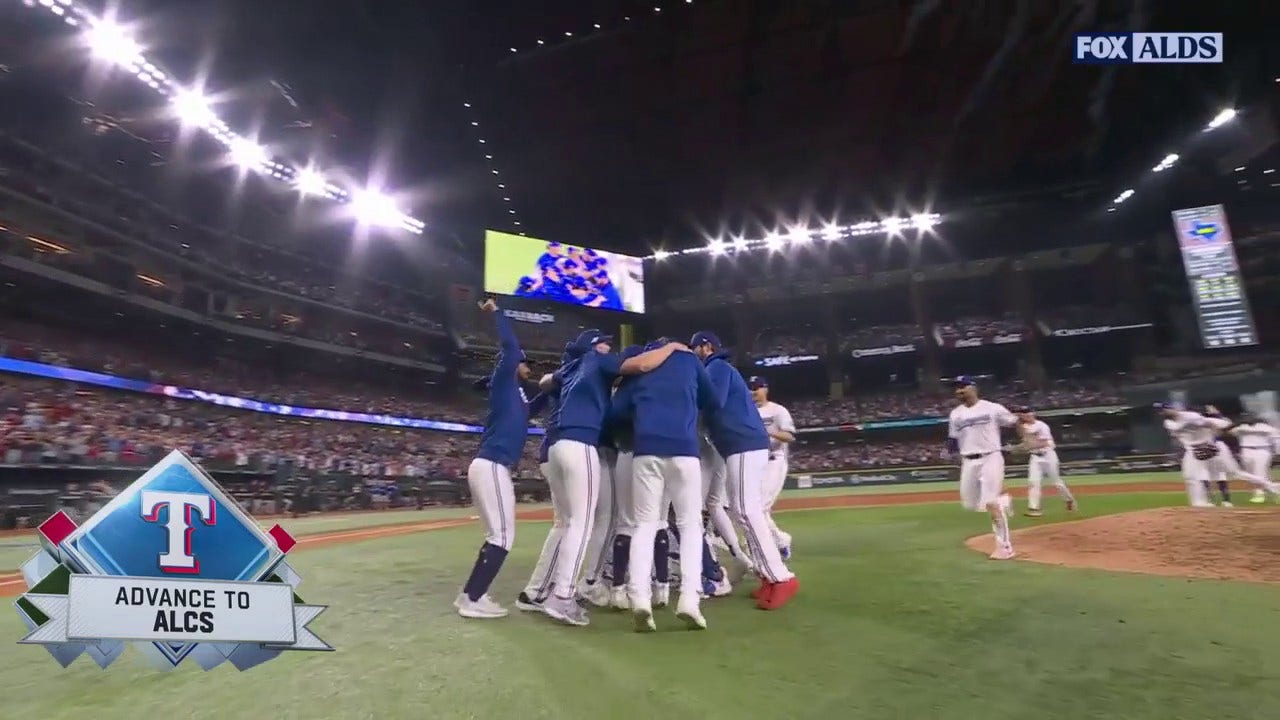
1211,543
11,584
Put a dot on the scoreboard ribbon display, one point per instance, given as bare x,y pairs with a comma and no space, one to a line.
1217,291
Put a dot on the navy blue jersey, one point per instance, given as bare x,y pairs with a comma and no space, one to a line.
663,406
506,425
585,389
735,425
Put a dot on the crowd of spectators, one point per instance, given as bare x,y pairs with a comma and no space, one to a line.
978,326
787,341
1081,316
882,335
60,423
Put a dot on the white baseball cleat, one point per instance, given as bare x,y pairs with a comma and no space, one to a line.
483,609
722,587
618,599
527,604
737,569
1258,498
565,610
1226,504
1205,504
643,617
691,614
661,595
597,594
1004,553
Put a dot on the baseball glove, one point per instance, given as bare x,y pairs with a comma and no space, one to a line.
1204,452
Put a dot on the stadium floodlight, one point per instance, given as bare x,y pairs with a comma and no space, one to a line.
373,208
310,182
1169,161
924,222
774,241
740,243
716,247
192,108
893,225
1123,196
248,154
111,42
1222,118
799,235
661,255
831,232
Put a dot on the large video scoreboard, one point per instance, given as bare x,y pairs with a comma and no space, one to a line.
1217,291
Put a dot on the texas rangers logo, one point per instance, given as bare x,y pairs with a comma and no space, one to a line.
173,565
1204,231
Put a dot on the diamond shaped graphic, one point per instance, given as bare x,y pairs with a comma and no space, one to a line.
125,538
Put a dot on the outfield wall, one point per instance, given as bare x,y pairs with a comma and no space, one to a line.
951,473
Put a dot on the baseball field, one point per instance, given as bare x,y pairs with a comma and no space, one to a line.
896,618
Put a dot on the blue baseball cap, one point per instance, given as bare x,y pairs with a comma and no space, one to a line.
588,339
757,381
631,351
705,337
963,381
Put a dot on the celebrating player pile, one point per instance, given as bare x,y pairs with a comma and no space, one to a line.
623,443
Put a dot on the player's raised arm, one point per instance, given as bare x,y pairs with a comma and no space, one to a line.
1004,417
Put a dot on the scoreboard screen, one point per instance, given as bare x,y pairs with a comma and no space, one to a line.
1217,291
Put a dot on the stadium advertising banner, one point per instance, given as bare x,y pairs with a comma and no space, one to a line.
1088,330
883,350
533,318
774,361
951,473
1007,338
537,269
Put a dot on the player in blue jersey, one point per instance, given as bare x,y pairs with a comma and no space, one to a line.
585,384
506,428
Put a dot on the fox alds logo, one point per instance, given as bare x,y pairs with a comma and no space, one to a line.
172,566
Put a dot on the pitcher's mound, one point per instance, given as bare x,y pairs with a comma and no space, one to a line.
1212,543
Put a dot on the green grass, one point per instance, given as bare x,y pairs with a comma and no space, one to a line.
895,620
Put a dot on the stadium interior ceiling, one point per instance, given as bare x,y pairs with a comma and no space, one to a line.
674,120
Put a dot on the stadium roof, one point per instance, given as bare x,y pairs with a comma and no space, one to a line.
675,116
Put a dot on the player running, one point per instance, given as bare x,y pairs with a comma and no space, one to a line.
739,436
974,432
1202,458
1259,441
1037,441
506,428
782,432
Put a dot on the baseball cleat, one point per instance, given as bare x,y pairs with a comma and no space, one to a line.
1004,553
761,591
1226,504
1202,505
527,604
661,595
721,588
1071,504
482,609
1033,512
1258,498
779,594
597,594
691,616
643,618
565,610
618,599
737,570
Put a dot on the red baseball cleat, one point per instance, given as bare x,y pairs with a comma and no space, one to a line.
779,594
762,590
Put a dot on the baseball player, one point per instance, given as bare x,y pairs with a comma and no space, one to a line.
713,487
585,384
1202,458
1037,441
663,406
539,586
782,432
739,436
506,428
1258,443
973,431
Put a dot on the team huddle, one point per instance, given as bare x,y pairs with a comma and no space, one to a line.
579,276
1206,458
658,452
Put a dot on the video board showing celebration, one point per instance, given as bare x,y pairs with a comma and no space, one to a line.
575,275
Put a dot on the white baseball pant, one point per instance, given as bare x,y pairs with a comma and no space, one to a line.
982,490
715,494
494,498
1224,465
775,477
599,560
539,586
575,476
1195,474
744,481
658,480
1043,467
1256,461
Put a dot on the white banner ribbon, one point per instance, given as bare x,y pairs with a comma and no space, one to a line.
176,611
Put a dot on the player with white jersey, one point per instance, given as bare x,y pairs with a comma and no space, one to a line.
1037,441
1259,441
973,431
782,432
1202,458
716,501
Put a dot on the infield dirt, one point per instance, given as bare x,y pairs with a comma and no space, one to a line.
11,584
1209,543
